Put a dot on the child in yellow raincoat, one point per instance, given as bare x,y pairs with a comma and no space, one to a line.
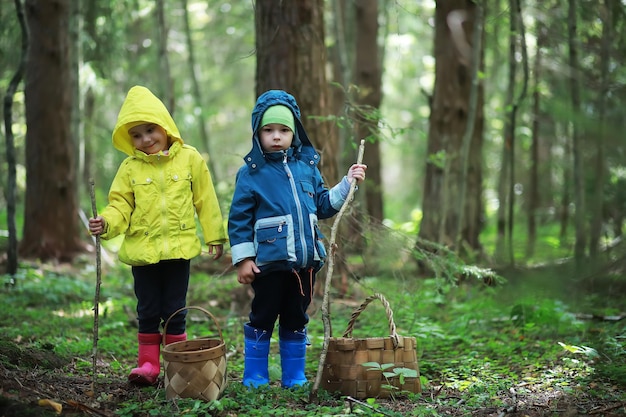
153,200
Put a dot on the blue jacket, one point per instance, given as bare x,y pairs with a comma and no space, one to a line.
279,198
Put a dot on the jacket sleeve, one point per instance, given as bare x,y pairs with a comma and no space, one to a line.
205,201
121,204
329,202
241,220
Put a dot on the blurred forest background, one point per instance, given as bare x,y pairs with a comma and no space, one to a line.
494,129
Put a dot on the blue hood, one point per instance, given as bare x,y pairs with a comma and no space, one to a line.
303,149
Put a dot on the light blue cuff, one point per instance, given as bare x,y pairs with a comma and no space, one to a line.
339,193
242,251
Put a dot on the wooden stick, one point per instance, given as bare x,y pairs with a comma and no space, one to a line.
96,303
329,274
361,403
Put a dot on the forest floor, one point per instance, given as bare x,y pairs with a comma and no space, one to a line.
25,389
34,379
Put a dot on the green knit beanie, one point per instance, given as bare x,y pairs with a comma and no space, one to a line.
279,114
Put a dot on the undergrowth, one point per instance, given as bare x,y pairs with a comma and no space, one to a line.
477,343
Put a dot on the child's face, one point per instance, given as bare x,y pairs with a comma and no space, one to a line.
275,137
149,138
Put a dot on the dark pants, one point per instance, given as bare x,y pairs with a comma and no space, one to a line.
283,295
161,289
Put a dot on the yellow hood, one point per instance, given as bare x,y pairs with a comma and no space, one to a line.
141,105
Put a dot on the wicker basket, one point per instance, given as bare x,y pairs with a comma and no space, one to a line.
195,368
344,372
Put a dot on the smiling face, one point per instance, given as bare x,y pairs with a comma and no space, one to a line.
150,138
275,137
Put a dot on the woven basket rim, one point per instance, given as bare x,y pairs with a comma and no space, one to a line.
171,348
193,355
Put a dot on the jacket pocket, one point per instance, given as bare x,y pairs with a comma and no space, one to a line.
308,196
146,197
179,193
271,240
188,241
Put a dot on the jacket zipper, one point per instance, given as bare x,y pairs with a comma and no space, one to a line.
164,231
299,210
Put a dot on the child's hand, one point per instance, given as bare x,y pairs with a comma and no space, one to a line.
97,225
357,172
246,271
216,250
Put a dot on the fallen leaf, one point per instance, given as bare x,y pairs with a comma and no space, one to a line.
51,404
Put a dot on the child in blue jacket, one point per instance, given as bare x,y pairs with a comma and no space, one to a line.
276,243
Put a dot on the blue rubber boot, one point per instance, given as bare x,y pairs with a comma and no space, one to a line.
256,351
292,357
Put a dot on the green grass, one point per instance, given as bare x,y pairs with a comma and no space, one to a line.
475,342
468,340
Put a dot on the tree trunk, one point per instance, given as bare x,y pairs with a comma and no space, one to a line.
533,199
516,15
291,55
577,151
51,227
76,129
368,79
470,210
166,84
342,58
342,62
506,195
11,186
600,164
448,121
564,212
196,91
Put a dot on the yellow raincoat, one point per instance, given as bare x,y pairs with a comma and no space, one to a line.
154,198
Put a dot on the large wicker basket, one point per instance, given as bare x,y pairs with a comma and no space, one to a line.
345,373
195,368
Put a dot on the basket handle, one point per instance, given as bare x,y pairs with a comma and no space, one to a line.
392,326
219,329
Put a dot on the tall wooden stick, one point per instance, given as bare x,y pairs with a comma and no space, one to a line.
329,274
96,303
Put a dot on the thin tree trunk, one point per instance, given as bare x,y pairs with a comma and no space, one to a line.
516,14
78,138
368,78
534,200
197,92
600,168
342,62
506,170
11,186
166,86
577,151
564,213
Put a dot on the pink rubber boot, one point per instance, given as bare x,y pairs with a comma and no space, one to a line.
149,359
171,338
